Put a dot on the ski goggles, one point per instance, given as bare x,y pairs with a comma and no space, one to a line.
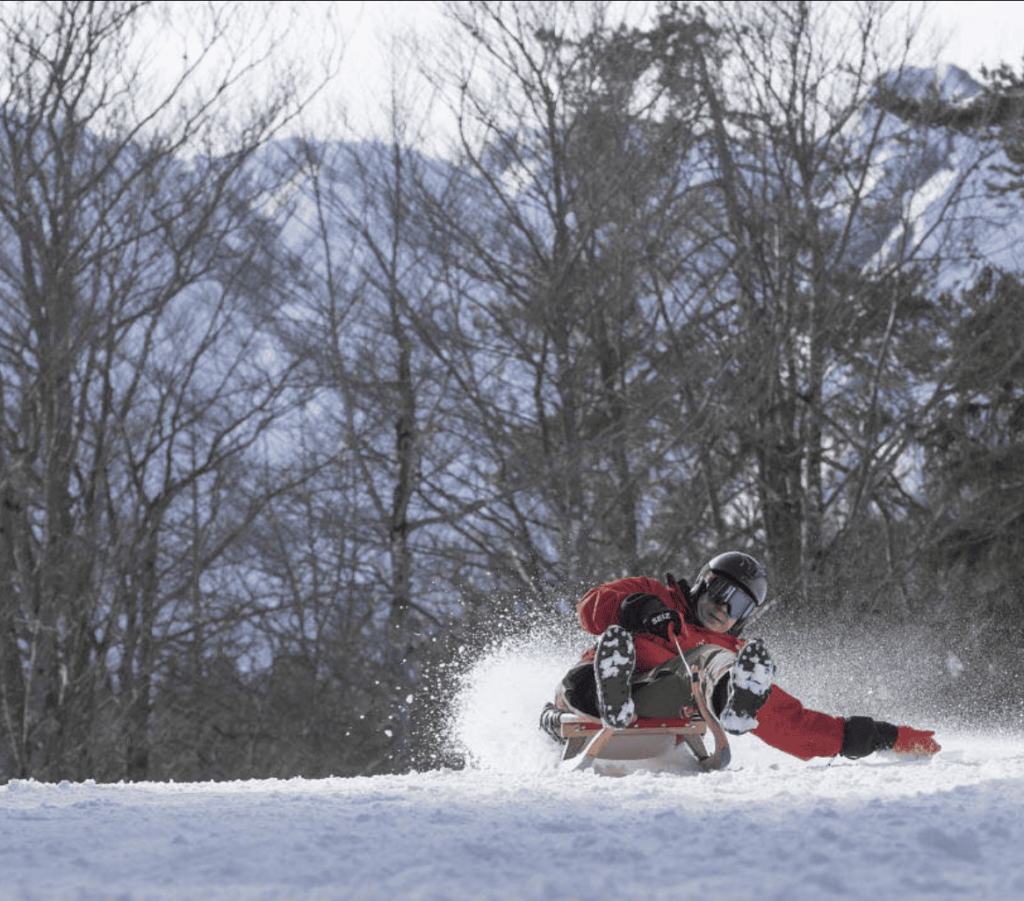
737,602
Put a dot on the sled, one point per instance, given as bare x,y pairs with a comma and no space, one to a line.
586,738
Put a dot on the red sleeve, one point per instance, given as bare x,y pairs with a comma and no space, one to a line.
785,723
599,607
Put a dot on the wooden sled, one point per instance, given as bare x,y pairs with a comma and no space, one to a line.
587,739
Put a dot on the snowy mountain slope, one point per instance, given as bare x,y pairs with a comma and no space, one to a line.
511,827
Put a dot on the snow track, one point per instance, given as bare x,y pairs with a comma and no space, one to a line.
771,827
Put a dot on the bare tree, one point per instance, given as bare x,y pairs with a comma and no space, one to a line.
386,431
136,374
816,207
572,182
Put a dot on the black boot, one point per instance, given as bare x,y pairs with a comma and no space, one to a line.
750,683
551,721
614,662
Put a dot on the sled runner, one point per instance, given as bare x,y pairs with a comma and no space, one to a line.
586,738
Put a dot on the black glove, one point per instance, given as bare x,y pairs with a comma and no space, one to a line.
863,735
648,613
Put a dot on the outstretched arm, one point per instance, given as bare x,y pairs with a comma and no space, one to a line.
785,723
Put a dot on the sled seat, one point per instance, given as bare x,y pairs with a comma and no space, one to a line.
587,739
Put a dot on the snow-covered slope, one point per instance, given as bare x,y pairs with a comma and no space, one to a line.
510,827
770,828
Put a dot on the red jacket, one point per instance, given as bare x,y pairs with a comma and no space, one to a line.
783,722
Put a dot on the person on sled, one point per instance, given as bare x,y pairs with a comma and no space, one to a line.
651,635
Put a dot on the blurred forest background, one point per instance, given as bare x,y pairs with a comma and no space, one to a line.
288,424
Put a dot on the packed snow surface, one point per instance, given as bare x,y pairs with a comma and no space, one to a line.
511,826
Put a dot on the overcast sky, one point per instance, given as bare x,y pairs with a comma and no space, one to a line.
980,33
974,33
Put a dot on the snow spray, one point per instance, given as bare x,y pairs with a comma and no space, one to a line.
495,715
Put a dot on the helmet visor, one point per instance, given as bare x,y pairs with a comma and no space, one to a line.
728,594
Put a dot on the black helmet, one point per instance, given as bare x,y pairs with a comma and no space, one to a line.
743,572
